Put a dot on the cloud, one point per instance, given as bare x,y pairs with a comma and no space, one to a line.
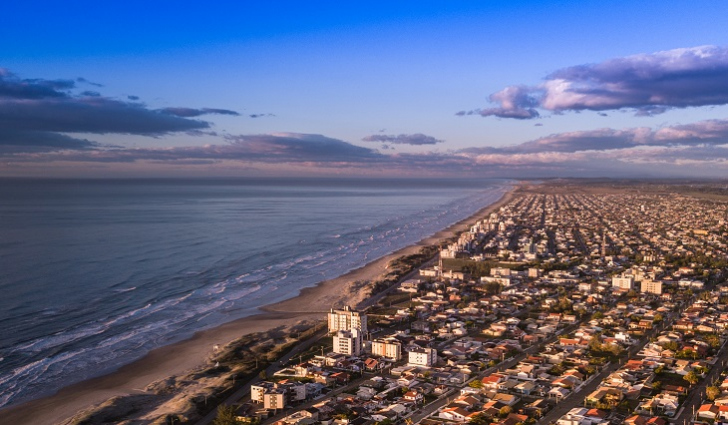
708,132
192,112
649,84
261,115
85,81
264,148
37,112
39,141
403,139
12,87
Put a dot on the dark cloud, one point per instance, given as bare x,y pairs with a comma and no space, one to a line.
403,139
34,113
649,84
703,133
192,112
12,87
85,81
694,148
90,115
131,97
265,148
39,141
261,115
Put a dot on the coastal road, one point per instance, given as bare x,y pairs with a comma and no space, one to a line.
245,389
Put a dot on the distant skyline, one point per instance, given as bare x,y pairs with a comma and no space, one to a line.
412,89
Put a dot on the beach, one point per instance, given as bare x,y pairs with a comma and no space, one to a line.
194,353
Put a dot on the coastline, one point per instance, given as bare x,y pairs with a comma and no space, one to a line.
194,353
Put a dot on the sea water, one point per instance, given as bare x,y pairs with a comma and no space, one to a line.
95,273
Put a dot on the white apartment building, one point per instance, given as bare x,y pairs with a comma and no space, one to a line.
422,357
346,320
623,282
348,342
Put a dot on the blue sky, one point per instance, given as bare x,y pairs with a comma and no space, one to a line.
512,89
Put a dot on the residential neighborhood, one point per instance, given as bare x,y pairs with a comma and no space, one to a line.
573,309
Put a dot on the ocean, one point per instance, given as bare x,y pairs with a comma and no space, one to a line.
96,273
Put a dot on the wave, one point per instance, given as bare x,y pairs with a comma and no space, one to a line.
192,301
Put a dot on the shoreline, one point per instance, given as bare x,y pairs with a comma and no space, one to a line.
194,353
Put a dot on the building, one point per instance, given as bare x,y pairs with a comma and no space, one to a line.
275,399
623,282
389,348
277,395
651,287
348,342
422,357
346,320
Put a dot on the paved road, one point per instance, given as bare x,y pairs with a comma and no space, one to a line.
695,398
245,389
577,398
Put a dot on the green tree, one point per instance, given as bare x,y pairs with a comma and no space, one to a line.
476,383
505,411
692,378
672,345
713,341
712,392
226,415
480,419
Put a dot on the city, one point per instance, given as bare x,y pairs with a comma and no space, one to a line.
568,305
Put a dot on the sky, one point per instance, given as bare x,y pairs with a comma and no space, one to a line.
515,89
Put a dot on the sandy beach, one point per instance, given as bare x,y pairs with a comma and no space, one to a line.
195,352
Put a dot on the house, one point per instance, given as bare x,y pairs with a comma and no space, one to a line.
708,411
457,414
558,393
414,397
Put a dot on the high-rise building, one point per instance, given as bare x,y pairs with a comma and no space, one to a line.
651,287
422,357
389,348
623,282
347,319
348,342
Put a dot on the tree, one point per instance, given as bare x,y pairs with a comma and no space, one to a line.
713,341
505,411
712,392
480,419
476,383
672,345
225,415
692,378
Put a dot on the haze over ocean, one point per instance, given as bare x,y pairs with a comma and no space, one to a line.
98,272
